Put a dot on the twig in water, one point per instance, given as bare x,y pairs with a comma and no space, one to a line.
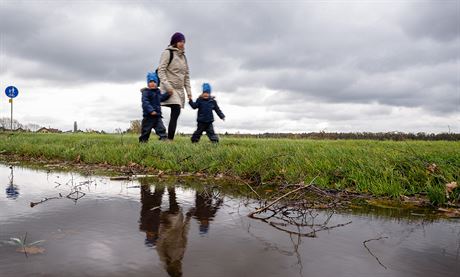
24,245
370,252
79,194
311,234
281,197
32,204
247,184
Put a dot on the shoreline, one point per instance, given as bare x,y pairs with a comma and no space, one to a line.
400,171
320,198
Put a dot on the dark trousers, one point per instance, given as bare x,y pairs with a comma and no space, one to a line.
202,127
149,122
175,112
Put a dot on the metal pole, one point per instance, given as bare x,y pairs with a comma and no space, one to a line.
11,101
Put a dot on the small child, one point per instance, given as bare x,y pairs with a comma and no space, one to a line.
151,99
206,104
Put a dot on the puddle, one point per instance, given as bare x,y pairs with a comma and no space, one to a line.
91,226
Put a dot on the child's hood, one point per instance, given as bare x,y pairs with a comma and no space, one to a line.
209,98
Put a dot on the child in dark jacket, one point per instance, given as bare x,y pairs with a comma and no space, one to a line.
206,105
151,109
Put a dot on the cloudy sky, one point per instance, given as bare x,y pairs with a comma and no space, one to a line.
275,66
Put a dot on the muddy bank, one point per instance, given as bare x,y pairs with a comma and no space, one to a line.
311,197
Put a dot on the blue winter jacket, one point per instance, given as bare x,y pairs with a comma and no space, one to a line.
151,99
205,108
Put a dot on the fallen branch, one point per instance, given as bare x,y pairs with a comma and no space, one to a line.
247,184
32,204
370,252
79,194
311,234
120,178
132,177
75,192
281,197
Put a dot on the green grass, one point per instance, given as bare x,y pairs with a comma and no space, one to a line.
380,168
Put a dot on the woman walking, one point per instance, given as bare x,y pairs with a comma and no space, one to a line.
174,78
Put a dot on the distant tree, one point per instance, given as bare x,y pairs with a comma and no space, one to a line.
32,127
134,127
5,122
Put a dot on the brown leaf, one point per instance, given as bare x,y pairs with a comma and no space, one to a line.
451,186
31,250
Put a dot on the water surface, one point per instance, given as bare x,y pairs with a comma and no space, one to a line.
142,228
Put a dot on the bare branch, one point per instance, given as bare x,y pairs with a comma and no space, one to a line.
370,252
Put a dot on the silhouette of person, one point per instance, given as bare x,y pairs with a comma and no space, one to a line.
150,213
165,230
206,207
173,236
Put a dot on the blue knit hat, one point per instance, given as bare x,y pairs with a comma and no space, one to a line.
207,88
152,76
177,37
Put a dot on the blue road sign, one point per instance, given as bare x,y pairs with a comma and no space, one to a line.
11,92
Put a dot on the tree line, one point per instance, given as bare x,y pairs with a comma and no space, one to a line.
135,128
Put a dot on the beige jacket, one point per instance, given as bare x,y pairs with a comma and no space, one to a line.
173,241
174,77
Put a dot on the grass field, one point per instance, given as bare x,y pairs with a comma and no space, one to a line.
381,168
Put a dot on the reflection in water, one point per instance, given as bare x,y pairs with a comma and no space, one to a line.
173,236
205,209
150,213
167,230
12,191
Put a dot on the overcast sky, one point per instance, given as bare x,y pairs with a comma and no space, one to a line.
275,66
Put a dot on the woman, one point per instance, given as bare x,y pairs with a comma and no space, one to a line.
174,78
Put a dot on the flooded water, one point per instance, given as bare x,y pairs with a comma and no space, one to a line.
140,228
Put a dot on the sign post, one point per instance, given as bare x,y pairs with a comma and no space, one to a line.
11,92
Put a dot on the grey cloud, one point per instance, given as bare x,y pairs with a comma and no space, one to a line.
432,87
332,112
65,46
438,20
398,54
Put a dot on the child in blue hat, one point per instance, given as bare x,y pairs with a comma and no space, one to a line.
206,105
151,109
